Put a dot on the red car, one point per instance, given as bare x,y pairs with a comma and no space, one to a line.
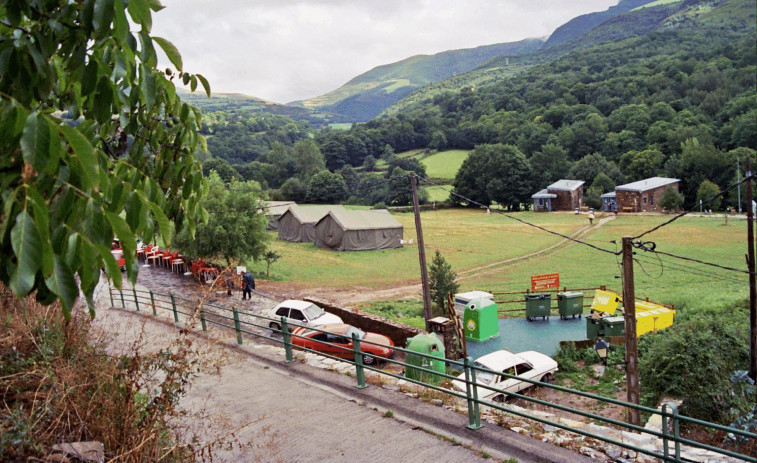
337,341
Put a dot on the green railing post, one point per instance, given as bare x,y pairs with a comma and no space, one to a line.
136,302
359,370
123,303
202,320
236,325
110,293
676,432
287,340
152,302
468,395
664,416
173,306
476,411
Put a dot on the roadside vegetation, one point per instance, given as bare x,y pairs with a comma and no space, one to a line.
58,384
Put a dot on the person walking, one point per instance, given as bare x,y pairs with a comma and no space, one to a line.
591,217
248,285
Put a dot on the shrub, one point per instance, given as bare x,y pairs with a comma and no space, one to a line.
694,360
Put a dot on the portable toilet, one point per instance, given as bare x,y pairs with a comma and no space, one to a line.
480,320
462,299
431,346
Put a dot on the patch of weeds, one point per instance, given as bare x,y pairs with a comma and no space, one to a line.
388,414
510,460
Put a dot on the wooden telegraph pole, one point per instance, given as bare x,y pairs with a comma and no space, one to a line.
632,355
421,251
752,284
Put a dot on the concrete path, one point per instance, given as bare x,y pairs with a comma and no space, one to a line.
276,411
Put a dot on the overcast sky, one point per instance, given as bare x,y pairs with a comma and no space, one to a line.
285,50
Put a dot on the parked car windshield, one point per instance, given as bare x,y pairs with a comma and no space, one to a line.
352,329
313,312
483,377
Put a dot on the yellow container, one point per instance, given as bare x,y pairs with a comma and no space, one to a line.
605,302
652,319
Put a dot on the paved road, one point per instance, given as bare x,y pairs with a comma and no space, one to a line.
297,413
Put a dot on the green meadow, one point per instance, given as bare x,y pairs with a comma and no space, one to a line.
474,243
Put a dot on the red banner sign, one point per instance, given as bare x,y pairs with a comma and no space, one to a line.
542,282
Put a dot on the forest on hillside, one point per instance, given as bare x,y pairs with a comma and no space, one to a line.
677,102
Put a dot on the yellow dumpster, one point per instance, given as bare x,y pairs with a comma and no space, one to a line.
652,319
605,302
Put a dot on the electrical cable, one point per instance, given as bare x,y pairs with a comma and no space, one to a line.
678,216
470,201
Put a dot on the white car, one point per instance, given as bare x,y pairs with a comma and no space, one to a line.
301,313
530,365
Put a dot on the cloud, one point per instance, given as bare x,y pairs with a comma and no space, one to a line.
284,50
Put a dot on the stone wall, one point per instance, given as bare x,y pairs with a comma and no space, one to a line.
397,332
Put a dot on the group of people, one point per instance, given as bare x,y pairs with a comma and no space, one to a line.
247,284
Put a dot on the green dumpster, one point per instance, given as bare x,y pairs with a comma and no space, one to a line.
614,326
605,327
570,303
538,305
481,320
593,327
431,346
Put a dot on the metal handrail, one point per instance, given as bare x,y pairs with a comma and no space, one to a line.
470,370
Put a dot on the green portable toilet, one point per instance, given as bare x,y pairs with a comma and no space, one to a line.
570,303
538,305
430,345
481,320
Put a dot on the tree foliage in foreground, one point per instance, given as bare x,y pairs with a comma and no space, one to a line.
235,230
95,143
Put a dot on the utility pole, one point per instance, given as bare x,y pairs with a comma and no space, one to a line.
752,283
738,180
632,355
421,251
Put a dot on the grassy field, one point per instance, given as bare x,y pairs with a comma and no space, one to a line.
466,238
438,194
444,164
470,239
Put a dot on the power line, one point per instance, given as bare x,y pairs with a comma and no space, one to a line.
470,201
678,216
650,246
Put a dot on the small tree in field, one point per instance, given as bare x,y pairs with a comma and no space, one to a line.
671,199
707,190
270,256
441,282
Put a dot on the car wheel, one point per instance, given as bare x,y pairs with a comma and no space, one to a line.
275,326
548,378
368,360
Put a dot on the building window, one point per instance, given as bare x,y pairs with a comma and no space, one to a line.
644,200
651,199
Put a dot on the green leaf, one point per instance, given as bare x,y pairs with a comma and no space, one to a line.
171,52
204,83
163,222
85,153
42,219
103,16
62,283
89,79
26,245
147,86
35,141
111,266
193,83
120,23
102,100
147,53
125,235
140,13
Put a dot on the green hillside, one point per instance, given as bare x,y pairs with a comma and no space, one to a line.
676,98
237,102
584,23
365,96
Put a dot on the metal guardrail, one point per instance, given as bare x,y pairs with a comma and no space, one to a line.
142,300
